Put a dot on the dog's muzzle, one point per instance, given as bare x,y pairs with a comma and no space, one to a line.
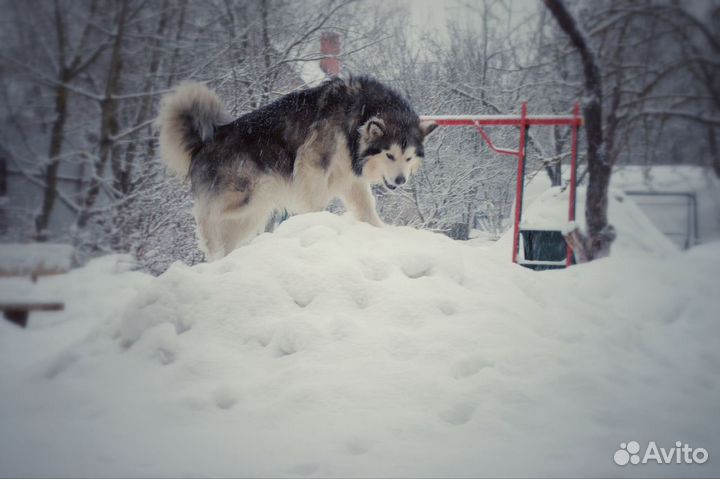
388,185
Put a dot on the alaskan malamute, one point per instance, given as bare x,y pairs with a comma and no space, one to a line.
295,154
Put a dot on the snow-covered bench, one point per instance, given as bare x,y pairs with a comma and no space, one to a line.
31,260
34,259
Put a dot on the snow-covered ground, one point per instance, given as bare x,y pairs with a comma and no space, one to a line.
333,348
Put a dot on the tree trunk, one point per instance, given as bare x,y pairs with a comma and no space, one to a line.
123,170
173,67
58,132
108,124
267,86
714,153
51,170
124,180
600,233
554,169
3,191
66,73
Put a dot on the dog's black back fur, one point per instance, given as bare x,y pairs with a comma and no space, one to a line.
270,136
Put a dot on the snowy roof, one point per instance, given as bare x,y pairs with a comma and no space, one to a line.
311,73
665,178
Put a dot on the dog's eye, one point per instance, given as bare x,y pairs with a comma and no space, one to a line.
390,156
408,160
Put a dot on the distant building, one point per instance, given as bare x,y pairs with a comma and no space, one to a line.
329,65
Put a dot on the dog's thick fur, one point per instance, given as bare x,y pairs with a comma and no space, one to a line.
296,154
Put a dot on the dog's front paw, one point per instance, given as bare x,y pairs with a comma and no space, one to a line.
373,220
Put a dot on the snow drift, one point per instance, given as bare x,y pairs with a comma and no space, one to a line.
334,348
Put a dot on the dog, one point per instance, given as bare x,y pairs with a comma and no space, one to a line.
297,154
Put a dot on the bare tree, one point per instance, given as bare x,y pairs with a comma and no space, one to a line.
600,234
71,59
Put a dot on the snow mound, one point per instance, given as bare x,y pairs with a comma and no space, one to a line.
334,348
313,266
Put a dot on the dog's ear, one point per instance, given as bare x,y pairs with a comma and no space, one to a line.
373,128
427,127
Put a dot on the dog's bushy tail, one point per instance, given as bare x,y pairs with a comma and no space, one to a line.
188,118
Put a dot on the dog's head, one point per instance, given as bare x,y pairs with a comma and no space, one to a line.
391,149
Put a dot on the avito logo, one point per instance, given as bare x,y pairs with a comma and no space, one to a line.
680,454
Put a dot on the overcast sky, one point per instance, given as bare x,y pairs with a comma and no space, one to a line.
432,15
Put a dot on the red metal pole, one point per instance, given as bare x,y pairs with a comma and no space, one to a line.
520,182
573,173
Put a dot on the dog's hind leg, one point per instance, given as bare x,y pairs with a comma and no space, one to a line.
360,200
230,219
209,231
245,214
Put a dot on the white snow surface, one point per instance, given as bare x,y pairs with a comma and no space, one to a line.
333,348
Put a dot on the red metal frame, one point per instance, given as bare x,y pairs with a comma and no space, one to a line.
573,173
524,122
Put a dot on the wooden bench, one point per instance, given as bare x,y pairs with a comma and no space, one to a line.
18,313
33,261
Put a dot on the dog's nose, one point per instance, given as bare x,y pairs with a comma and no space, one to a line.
400,180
